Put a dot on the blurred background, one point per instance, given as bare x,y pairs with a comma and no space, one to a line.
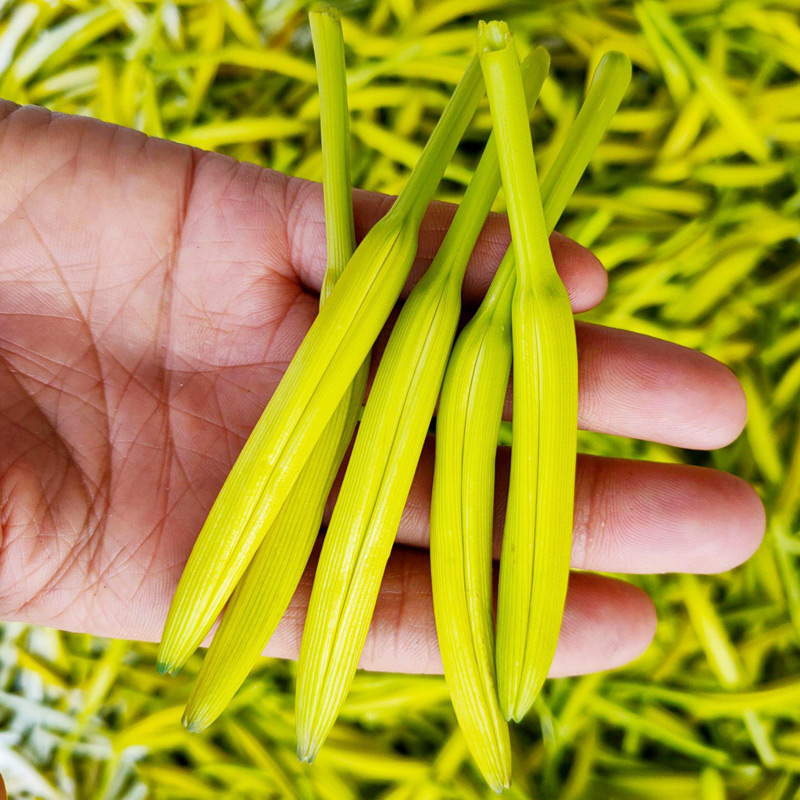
691,203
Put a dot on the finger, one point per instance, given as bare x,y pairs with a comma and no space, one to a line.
663,518
630,516
582,273
646,388
606,622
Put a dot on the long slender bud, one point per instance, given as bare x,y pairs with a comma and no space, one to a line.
534,567
736,121
467,424
266,588
382,465
467,427
319,374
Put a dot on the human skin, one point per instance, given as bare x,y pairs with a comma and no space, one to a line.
151,296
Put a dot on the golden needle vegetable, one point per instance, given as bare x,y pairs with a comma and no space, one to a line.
534,566
729,112
467,425
319,374
385,455
467,428
265,590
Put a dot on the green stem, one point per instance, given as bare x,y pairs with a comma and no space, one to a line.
610,81
515,148
428,171
464,230
326,34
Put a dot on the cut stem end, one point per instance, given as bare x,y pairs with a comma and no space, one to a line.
493,36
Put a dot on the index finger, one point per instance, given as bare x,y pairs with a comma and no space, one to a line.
583,275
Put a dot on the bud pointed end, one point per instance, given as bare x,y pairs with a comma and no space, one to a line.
165,668
306,751
194,722
499,785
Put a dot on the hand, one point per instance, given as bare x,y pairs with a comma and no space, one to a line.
151,296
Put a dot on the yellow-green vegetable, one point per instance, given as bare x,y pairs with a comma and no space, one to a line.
467,428
536,546
267,586
319,374
534,566
731,115
396,736
385,455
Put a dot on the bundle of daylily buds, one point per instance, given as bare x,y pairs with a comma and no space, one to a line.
258,537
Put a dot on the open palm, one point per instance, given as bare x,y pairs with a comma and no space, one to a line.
151,296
